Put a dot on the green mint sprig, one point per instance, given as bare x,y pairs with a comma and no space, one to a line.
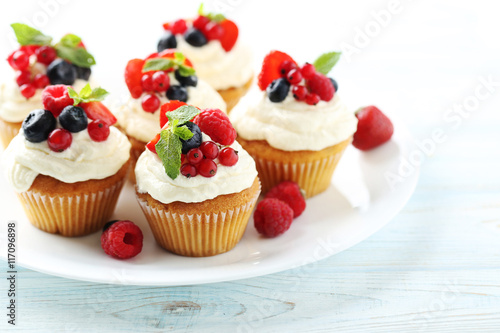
326,61
169,147
163,64
87,94
216,17
27,35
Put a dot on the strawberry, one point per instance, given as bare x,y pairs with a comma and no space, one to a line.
229,36
133,75
271,68
374,128
98,111
151,145
167,107
170,54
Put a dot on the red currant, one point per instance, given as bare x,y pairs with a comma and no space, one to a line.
179,27
207,168
188,170
23,77
213,31
210,150
41,81
294,76
28,90
194,156
308,70
161,81
147,82
19,60
45,55
312,99
98,130
59,140
228,156
299,92
150,103
201,22
286,66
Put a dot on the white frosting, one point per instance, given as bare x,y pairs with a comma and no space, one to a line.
85,159
14,107
143,125
221,69
152,179
292,125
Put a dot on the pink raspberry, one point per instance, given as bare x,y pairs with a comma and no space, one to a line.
216,125
121,239
272,217
289,192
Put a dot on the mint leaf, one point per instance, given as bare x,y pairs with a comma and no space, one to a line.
74,95
200,9
326,61
87,94
216,17
158,64
70,40
179,57
27,35
183,132
75,55
169,150
186,70
98,94
183,114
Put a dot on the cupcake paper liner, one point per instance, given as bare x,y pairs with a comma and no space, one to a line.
8,131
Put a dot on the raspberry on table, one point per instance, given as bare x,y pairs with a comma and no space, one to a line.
122,239
290,193
272,217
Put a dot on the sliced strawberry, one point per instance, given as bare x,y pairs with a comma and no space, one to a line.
374,128
167,107
98,111
271,68
133,75
151,145
229,36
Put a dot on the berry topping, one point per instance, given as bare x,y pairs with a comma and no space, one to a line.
45,54
28,90
287,66
335,84
178,27
59,140
150,103
312,99
229,36
61,72
147,82
278,90
188,170
73,118
167,107
122,239
200,22
194,156
168,41
186,81
322,86
98,130
294,76
207,168
195,37
83,72
177,93
19,60
271,68
210,150
38,125
56,98
290,193
151,145
213,31
133,77
308,71
374,128
98,111
272,217
299,92
161,81
217,126
228,156
41,81
23,77
194,141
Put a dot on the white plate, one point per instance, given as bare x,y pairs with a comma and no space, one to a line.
359,203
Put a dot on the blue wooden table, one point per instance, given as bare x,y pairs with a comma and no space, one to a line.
434,268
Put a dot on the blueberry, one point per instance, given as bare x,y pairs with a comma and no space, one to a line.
186,81
195,141
168,41
177,93
61,72
195,37
82,72
278,90
38,125
335,84
73,118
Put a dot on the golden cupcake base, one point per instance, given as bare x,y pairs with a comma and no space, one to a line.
232,95
8,131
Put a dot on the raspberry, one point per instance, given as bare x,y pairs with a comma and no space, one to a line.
56,98
178,27
322,86
59,140
374,128
216,125
122,239
289,192
272,66
272,217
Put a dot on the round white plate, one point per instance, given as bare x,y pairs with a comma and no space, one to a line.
360,201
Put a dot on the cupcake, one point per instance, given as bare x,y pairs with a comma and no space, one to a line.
152,82
295,125
195,184
220,58
68,163
36,64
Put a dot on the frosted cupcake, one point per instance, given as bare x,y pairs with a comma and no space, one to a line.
36,64
296,127
195,184
220,58
153,82
68,166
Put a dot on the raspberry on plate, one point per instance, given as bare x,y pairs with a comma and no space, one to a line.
216,124
122,239
374,128
272,217
290,193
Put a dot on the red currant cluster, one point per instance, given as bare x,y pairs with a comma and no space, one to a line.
153,82
201,160
20,60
